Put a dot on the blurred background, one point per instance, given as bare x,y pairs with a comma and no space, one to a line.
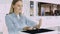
47,10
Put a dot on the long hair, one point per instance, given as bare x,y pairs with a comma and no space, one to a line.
13,3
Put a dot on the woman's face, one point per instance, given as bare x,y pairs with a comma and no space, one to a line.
18,7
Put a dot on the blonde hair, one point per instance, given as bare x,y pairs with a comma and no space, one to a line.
13,3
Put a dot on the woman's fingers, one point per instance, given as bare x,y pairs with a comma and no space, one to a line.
27,28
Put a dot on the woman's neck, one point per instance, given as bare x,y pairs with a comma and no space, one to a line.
16,13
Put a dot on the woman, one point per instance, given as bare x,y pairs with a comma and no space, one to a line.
16,22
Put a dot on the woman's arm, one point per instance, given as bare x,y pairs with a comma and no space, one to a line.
37,26
29,24
32,24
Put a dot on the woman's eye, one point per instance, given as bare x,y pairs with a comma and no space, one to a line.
20,5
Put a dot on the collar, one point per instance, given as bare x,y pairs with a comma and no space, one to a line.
16,15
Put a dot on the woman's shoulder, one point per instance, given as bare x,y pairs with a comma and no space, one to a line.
8,15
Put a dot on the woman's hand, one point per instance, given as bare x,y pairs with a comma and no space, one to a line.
38,25
27,28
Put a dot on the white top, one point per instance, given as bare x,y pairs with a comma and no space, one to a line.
18,16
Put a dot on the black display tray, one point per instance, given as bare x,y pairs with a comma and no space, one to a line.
37,31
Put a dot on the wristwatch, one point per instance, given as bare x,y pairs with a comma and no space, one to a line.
34,28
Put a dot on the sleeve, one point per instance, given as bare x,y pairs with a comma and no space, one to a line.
10,25
30,23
